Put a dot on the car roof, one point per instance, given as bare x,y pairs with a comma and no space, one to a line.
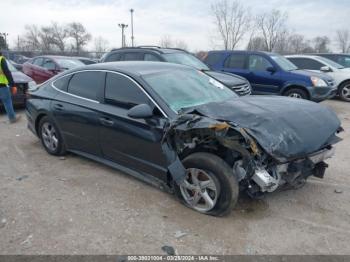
57,57
303,56
243,52
138,68
157,49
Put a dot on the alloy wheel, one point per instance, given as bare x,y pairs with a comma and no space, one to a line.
49,135
199,190
346,91
295,95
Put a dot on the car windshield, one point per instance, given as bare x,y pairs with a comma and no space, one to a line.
330,62
11,67
181,89
284,63
185,59
69,63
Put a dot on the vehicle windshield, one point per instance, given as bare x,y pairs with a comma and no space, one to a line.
69,63
11,67
284,63
181,89
330,62
185,59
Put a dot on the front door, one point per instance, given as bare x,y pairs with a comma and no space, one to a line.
134,143
262,80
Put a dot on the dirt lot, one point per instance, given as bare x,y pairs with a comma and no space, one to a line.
50,205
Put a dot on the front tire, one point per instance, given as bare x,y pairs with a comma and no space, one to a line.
51,138
344,91
210,186
296,93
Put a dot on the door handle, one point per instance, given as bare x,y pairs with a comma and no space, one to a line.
58,107
106,121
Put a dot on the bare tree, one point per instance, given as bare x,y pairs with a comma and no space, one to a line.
256,43
100,44
271,25
181,44
45,36
59,36
79,34
232,21
32,37
166,41
343,40
321,44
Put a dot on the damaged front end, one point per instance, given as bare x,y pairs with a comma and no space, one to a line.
256,170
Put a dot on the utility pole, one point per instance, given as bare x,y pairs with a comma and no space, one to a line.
132,26
123,26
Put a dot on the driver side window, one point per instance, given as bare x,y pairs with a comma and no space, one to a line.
49,64
123,92
258,63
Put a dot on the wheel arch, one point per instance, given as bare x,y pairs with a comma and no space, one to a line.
295,86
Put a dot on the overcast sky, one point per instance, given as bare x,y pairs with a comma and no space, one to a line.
187,20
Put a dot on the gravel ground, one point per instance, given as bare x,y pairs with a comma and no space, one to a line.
50,205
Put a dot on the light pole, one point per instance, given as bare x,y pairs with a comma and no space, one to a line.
132,26
123,26
5,35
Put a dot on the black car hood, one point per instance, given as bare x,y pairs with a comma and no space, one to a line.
284,127
20,78
227,79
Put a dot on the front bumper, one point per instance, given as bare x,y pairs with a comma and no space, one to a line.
320,93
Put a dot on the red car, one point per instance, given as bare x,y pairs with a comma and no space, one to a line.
42,68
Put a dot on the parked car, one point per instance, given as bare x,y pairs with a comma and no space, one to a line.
341,59
340,74
42,68
178,56
86,61
23,83
16,65
183,131
270,73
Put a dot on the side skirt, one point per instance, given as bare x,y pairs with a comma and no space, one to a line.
141,176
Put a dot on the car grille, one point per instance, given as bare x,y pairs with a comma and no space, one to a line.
242,90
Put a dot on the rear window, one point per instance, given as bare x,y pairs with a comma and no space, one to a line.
87,84
235,61
112,57
62,83
213,59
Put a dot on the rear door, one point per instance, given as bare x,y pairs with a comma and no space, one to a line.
262,80
40,73
236,64
76,109
135,143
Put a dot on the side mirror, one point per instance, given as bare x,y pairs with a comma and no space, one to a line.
325,69
141,111
271,69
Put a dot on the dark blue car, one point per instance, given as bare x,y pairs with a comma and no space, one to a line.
271,73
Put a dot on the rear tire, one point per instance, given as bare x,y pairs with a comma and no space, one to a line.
344,91
296,93
215,180
51,137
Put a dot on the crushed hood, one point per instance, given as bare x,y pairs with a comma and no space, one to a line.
284,127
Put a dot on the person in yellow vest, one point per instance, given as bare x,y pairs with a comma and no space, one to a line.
6,82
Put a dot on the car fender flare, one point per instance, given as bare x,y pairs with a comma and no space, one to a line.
294,85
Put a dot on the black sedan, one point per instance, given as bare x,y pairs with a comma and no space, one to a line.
181,130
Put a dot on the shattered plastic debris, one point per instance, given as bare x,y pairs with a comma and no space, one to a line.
168,250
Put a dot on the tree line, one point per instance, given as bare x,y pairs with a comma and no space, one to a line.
72,37
268,31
